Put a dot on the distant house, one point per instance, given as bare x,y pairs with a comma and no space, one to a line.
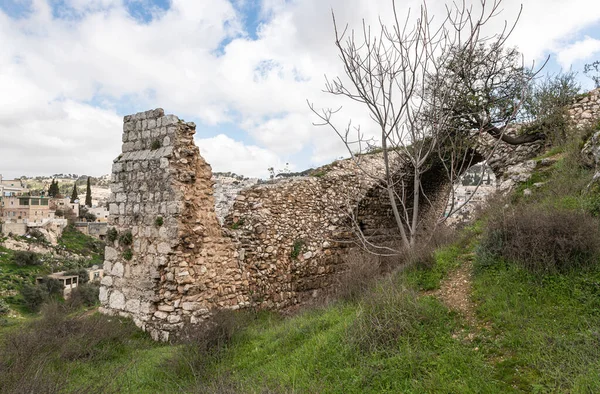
26,209
95,273
69,282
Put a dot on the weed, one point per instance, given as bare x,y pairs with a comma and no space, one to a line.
126,238
158,221
112,234
155,145
297,248
127,254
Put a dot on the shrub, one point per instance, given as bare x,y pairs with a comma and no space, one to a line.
546,105
4,308
25,258
112,234
541,239
30,354
34,296
127,254
159,221
126,238
387,314
84,295
206,341
297,248
362,269
155,145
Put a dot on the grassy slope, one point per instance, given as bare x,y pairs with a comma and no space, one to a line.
536,334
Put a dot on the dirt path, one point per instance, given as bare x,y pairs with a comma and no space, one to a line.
455,293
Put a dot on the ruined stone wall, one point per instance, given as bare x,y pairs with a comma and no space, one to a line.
586,109
291,233
282,242
170,263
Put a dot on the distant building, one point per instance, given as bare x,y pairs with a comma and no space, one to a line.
11,187
101,214
68,281
26,209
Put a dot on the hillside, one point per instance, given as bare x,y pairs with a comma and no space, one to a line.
489,310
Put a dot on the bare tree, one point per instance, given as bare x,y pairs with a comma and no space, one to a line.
429,86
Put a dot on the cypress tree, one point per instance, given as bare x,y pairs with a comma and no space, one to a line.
88,194
74,195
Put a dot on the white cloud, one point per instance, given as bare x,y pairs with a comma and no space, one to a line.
580,50
225,154
51,70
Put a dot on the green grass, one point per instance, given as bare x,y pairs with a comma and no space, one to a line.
545,329
76,242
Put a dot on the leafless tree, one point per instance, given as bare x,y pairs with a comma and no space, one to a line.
430,85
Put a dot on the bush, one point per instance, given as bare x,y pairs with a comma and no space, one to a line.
126,238
541,239
4,308
546,105
386,315
158,221
112,234
362,270
30,354
25,258
34,296
127,254
84,295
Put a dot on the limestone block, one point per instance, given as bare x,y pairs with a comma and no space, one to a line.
107,281
173,319
117,270
190,306
110,254
103,294
161,315
133,306
169,120
116,300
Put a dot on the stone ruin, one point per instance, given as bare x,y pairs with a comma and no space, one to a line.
173,260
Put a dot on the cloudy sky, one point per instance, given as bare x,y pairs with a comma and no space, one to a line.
241,69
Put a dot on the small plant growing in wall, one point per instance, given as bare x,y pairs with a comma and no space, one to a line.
126,238
155,145
127,254
237,224
159,221
297,248
112,234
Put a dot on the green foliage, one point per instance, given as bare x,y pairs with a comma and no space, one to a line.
126,238
81,273
4,307
297,248
155,145
127,254
53,190
88,194
238,224
74,194
76,242
159,221
25,258
34,296
112,234
545,106
84,295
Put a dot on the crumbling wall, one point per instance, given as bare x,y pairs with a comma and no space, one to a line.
586,109
281,243
170,262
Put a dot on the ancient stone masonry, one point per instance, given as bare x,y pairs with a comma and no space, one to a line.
172,259
586,109
170,262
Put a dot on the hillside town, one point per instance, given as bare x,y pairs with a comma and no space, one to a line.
23,209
